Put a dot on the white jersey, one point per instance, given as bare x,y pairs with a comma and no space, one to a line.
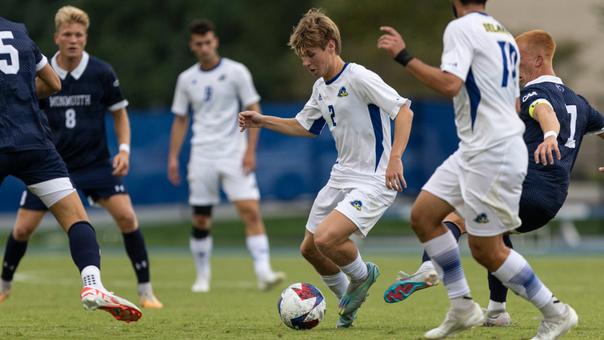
215,96
482,53
357,106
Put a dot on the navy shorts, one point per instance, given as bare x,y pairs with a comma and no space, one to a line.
541,200
32,166
96,182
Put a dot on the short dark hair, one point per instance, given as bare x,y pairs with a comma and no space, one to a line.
480,2
201,26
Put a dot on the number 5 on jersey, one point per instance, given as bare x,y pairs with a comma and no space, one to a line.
13,55
70,118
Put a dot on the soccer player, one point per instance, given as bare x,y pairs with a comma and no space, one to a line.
556,120
482,180
214,88
357,106
28,153
76,117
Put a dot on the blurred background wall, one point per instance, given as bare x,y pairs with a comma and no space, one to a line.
146,42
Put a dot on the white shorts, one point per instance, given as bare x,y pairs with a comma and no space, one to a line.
362,208
485,189
206,176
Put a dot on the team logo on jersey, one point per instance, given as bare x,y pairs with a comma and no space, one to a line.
357,204
482,218
525,98
116,83
222,77
320,97
342,92
560,88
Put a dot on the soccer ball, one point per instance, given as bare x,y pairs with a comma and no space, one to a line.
301,306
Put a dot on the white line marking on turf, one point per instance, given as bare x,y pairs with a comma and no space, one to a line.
35,277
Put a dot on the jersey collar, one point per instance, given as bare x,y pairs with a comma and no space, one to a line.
545,79
327,82
76,73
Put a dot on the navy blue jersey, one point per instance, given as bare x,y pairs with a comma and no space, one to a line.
22,125
77,113
576,118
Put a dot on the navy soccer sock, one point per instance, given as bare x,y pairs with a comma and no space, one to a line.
14,252
454,230
498,291
137,252
84,248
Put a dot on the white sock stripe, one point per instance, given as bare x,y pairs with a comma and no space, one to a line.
440,244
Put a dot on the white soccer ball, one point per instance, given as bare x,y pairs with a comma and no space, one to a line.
301,306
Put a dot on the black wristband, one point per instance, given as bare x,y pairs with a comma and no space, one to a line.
404,57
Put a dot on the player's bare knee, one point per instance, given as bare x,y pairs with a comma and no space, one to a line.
127,222
309,251
23,232
202,222
421,223
325,241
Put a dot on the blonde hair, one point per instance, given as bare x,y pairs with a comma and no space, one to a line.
315,29
70,15
539,40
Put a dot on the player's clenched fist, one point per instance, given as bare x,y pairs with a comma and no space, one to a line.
391,41
250,119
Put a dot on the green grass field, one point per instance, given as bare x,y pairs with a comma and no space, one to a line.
45,304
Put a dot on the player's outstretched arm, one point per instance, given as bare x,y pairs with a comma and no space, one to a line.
249,158
546,116
286,126
47,82
395,179
440,81
177,137
121,161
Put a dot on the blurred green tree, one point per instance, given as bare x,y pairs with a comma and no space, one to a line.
146,41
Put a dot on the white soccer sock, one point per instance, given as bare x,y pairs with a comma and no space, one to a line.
338,283
202,252
91,276
357,269
444,252
258,247
494,305
517,275
145,289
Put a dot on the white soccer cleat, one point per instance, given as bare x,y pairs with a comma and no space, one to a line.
271,280
457,321
553,328
497,318
201,285
408,284
120,308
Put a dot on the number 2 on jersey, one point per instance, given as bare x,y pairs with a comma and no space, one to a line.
13,55
510,59
70,118
332,115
